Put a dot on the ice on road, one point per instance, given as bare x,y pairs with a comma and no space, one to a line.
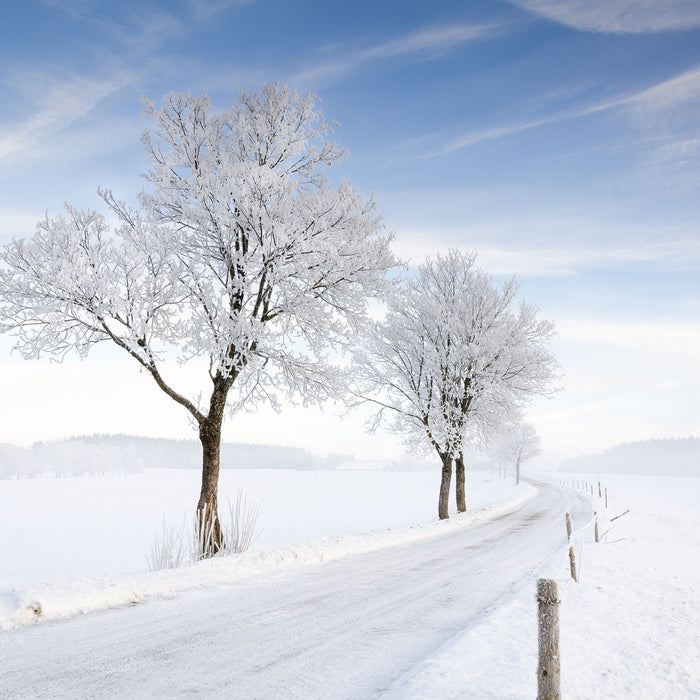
341,629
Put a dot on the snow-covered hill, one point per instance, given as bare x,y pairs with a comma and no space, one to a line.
670,457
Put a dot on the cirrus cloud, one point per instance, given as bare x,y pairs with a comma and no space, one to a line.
62,104
618,16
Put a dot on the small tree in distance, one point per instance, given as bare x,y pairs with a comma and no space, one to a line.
240,254
453,360
519,443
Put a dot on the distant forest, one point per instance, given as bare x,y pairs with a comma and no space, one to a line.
106,454
672,456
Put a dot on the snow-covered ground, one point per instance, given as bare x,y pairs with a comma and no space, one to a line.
629,628
297,629
83,541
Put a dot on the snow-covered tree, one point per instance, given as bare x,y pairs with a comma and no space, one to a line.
518,443
240,253
453,360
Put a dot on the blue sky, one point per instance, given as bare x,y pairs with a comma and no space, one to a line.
561,139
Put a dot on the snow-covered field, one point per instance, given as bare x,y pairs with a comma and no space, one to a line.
630,628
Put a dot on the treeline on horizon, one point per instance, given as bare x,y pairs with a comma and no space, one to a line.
663,456
115,454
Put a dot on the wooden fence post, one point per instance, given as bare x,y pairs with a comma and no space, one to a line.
597,537
572,563
548,684
568,526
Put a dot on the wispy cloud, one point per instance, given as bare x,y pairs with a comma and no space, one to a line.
204,9
476,136
471,138
618,16
558,253
62,104
565,262
423,44
687,150
670,94
80,9
132,35
666,97
129,46
665,335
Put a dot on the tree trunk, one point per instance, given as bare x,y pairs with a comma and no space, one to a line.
443,504
517,472
460,485
208,525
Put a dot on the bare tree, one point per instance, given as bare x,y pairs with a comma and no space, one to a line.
453,360
240,253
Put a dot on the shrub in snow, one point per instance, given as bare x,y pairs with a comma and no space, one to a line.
172,548
169,549
243,519
236,536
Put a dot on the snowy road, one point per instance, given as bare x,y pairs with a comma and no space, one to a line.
341,629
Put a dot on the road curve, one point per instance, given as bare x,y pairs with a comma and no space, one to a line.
340,629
